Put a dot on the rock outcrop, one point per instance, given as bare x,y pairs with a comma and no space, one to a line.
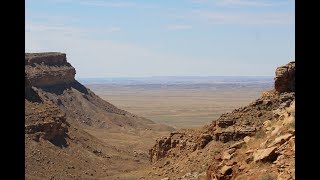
238,144
46,121
64,122
52,78
285,78
48,69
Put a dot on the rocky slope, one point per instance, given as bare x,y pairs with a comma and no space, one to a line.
61,117
53,78
252,142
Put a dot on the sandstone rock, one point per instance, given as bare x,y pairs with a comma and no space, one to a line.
264,144
249,159
47,69
237,145
166,178
190,176
266,123
205,139
288,120
275,131
246,139
265,155
287,97
226,170
48,130
242,167
217,157
223,123
285,78
226,156
230,134
280,140
249,151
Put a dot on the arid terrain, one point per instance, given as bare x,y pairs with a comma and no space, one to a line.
187,104
71,133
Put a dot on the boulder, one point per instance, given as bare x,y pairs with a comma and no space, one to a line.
246,139
226,170
237,145
265,155
280,140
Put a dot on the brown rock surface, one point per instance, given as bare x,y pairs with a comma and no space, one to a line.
285,78
48,69
236,140
265,155
71,133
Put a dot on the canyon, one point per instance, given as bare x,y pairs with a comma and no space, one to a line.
71,133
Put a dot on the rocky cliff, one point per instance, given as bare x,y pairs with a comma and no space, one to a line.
251,142
53,78
285,78
71,133
48,69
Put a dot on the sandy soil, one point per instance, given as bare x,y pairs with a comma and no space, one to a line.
177,107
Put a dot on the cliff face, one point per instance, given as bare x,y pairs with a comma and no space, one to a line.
71,133
285,78
51,77
251,142
48,69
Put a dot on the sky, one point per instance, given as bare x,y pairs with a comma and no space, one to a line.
123,38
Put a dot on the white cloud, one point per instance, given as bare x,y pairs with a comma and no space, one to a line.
107,4
178,27
244,3
99,57
99,3
240,18
67,30
255,3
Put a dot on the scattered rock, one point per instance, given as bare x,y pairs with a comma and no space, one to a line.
265,155
237,145
226,170
246,139
275,131
266,123
280,140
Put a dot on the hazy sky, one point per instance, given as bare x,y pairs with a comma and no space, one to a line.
107,38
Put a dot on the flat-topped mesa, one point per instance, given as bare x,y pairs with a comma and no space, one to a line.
47,58
47,69
284,80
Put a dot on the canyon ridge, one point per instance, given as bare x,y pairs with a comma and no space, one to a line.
71,133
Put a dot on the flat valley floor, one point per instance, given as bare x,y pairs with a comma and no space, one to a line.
180,106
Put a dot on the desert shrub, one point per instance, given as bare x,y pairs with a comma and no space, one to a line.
293,124
267,177
259,134
244,146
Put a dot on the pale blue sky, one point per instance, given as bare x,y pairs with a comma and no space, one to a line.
107,38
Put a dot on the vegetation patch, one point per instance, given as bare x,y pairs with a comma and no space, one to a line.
267,176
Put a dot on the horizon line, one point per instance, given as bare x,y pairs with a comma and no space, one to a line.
184,76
